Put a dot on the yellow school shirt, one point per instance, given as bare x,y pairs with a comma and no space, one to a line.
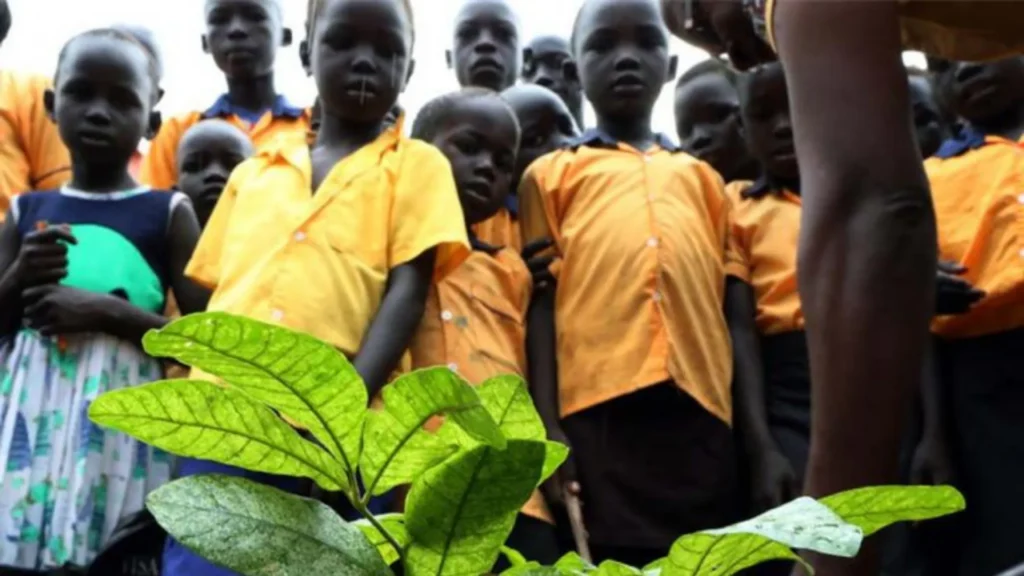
160,166
318,262
954,29
32,155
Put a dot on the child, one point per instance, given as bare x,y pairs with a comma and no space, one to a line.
976,187
85,270
243,37
208,152
640,235
32,156
474,320
485,51
547,62
708,120
363,219
145,37
930,125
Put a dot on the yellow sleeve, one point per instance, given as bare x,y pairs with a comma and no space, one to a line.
205,266
426,212
537,213
737,247
160,166
49,162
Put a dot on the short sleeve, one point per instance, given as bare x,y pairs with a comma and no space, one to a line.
160,166
206,263
537,214
49,162
737,247
426,212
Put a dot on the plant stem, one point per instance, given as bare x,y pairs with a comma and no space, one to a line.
362,508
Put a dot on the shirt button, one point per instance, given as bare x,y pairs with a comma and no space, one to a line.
300,236
650,197
1020,198
657,296
647,158
1021,253
652,242
453,367
277,315
446,316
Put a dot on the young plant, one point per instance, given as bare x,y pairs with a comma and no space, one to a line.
468,480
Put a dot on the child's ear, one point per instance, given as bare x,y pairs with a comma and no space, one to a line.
673,68
304,57
448,58
206,45
155,121
571,72
49,98
286,37
408,74
527,57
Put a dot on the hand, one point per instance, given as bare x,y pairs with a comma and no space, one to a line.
719,26
953,294
773,482
931,464
43,257
564,480
53,309
539,265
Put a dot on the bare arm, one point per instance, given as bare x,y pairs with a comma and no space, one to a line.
748,371
183,235
10,289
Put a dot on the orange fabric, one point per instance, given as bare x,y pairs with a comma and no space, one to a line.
764,235
979,206
32,155
641,243
500,230
160,167
953,29
474,324
318,262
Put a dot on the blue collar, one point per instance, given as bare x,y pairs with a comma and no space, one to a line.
512,205
966,139
761,188
481,246
223,108
597,138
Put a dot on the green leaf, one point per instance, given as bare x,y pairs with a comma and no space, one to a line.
460,512
258,530
396,449
876,507
613,568
573,562
514,557
395,526
804,524
655,568
198,419
705,554
532,569
305,379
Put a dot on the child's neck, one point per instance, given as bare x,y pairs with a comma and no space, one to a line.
338,133
1009,125
101,178
633,131
254,94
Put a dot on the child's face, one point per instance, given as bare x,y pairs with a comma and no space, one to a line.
544,61
708,123
243,36
206,156
928,124
103,98
485,51
981,93
480,142
361,57
765,109
545,122
622,54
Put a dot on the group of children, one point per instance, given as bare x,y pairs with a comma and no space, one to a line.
645,290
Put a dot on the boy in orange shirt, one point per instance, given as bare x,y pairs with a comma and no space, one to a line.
242,36
641,387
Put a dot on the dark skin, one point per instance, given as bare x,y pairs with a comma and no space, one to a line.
207,154
547,62
929,127
485,50
868,240
243,37
709,126
547,125
480,142
103,104
361,57
622,53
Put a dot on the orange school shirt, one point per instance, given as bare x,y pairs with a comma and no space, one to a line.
474,323
160,166
640,241
502,229
318,261
32,155
764,231
977,186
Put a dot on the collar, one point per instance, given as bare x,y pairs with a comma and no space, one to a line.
966,139
481,246
223,108
761,188
512,205
597,138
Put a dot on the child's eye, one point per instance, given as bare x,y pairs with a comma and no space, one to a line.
534,140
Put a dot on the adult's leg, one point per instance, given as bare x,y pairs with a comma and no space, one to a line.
867,246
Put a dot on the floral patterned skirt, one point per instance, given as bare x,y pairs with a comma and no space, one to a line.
64,481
